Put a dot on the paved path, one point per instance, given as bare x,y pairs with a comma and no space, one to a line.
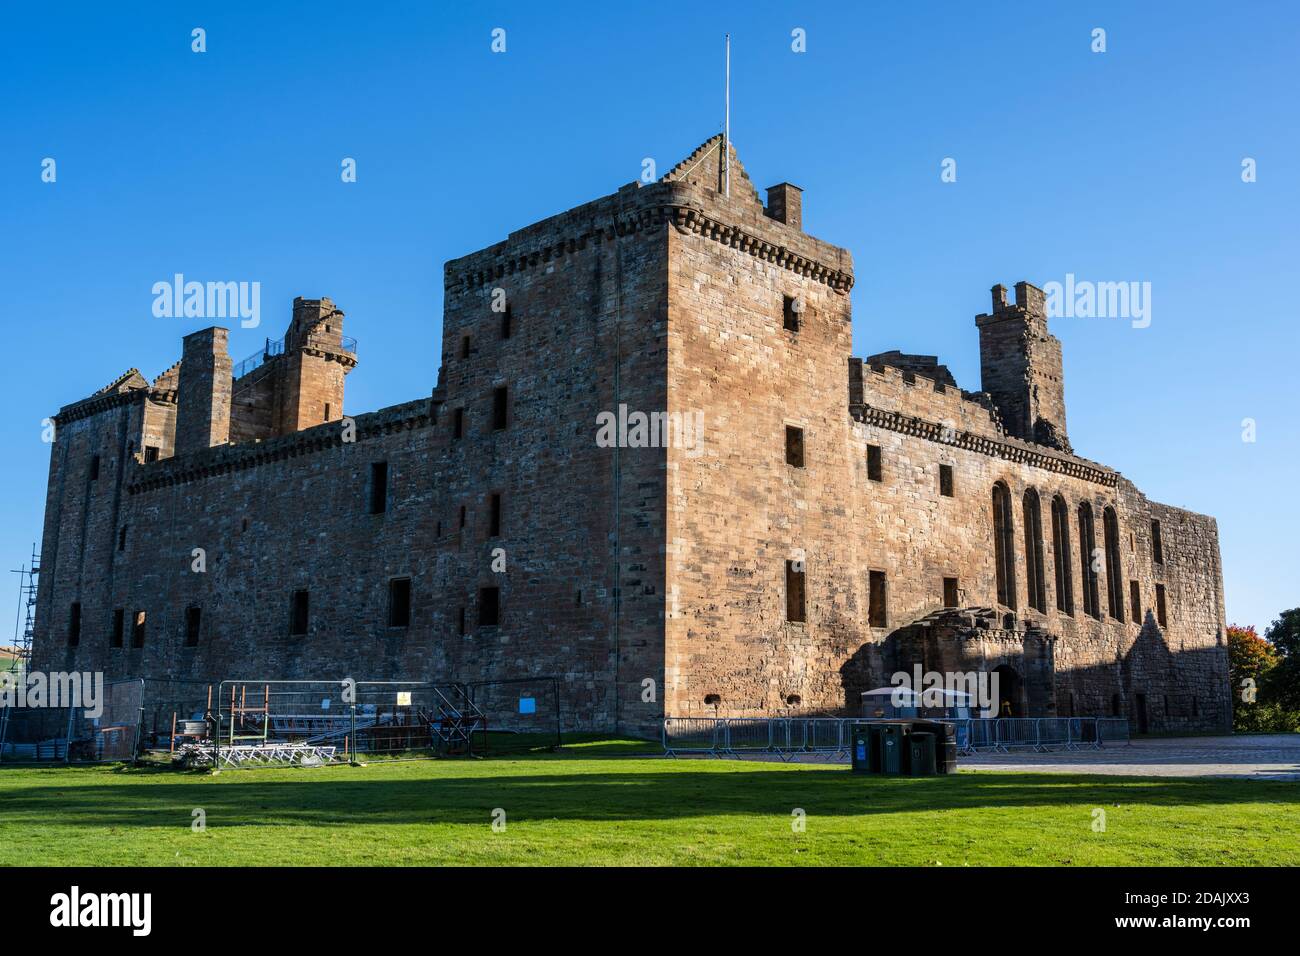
1263,757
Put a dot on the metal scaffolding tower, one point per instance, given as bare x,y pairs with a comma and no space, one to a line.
25,618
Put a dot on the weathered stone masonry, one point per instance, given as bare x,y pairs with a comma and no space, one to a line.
632,564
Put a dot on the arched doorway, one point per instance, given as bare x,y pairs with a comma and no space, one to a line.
1009,696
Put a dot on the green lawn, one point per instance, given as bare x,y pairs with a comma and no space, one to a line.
567,809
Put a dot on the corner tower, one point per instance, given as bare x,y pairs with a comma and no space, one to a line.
1021,367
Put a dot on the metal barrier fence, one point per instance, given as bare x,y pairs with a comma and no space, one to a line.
519,714
789,737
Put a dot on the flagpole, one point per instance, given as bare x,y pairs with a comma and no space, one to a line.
726,135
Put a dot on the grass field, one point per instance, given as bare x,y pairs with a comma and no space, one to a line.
566,809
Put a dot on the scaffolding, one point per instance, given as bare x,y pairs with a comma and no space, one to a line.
25,617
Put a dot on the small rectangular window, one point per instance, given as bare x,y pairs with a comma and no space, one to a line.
119,628
327,412
874,470
137,630
298,613
494,517
460,620
121,538
1157,546
877,614
94,468
74,624
464,346
795,592
945,480
463,517
507,322
150,452
500,397
399,602
489,607
378,487
1135,602
950,592
794,446
193,617
1161,613
458,423
790,309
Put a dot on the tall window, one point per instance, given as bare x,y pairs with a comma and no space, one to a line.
378,487
795,580
298,613
1162,613
1061,556
878,595
399,602
1114,583
507,323
1135,602
494,516
1004,556
1087,545
794,446
500,400
950,597
193,620
874,467
119,628
137,630
1034,552
1157,546
489,607
74,624
945,481
790,313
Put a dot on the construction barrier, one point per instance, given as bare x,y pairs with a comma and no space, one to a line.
789,737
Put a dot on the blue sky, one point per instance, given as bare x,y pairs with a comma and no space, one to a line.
1115,166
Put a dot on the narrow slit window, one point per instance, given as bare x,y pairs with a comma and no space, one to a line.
1162,614
945,481
1157,546
119,628
298,613
877,614
378,487
399,602
121,538
460,621
489,607
507,323
464,346
137,630
494,516
458,423
795,597
463,517
794,446
500,405
193,619
74,624
94,468
1135,602
874,463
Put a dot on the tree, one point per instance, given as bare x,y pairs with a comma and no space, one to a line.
1251,661
1283,681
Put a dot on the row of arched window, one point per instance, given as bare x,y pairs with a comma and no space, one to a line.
1090,559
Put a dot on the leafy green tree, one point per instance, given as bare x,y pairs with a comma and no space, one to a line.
1283,680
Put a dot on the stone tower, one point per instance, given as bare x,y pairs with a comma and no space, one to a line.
1020,366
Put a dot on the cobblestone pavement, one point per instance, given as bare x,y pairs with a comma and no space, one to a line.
1263,757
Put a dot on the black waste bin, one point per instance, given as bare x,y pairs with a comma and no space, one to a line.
863,740
890,748
920,754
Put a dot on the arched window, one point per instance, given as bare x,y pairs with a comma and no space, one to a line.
1061,556
1004,555
1087,545
1034,552
1114,574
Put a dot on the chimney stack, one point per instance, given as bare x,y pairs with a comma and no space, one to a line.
785,204
203,391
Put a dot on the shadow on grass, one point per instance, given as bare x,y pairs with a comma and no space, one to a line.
339,798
